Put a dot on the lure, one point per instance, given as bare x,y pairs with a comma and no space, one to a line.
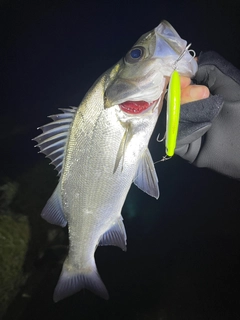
173,109
173,113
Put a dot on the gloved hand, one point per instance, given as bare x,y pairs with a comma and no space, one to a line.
209,129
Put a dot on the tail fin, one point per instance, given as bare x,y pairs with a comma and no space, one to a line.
71,281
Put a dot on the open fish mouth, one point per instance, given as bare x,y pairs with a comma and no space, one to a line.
136,107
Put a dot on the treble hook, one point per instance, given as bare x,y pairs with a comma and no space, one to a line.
164,158
161,140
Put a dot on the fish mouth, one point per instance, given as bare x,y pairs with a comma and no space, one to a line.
136,107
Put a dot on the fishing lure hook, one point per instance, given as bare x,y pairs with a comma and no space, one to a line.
161,140
164,158
181,55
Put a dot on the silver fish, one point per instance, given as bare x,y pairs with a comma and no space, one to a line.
101,147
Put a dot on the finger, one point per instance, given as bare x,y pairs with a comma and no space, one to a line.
185,82
193,93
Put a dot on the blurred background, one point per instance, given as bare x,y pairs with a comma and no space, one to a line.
183,253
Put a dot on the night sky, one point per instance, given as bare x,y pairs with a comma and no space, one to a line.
183,253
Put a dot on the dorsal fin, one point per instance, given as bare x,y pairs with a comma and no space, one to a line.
53,139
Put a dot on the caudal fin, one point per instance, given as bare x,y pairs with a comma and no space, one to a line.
71,281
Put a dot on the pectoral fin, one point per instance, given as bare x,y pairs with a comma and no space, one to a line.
146,177
123,146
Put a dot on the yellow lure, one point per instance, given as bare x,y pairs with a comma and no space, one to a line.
173,113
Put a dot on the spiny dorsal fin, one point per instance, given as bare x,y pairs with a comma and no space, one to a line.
53,139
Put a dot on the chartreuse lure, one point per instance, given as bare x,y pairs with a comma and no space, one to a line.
173,113
173,108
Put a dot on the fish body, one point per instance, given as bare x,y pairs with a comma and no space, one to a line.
101,147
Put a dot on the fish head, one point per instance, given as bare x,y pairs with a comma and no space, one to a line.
137,82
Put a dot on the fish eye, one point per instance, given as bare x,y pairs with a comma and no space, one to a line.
135,54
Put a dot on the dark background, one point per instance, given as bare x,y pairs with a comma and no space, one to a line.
183,250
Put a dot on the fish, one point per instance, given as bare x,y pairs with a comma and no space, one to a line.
101,147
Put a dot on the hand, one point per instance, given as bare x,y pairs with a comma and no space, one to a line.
209,127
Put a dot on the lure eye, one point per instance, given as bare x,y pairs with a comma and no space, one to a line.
134,55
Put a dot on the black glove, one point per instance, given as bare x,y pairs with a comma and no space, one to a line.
209,129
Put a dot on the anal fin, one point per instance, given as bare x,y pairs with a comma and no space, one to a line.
115,236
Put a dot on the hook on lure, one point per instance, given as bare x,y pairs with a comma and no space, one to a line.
173,109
